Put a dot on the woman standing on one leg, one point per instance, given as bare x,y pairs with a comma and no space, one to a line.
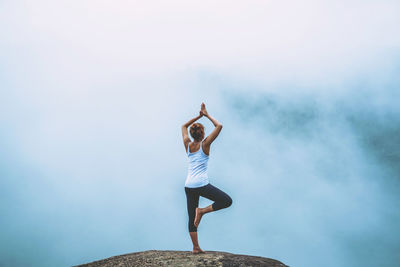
197,183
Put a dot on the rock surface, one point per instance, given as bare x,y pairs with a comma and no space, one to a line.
183,258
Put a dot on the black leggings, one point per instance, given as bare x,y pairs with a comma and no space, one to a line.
220,198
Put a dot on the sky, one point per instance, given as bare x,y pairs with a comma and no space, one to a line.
93,95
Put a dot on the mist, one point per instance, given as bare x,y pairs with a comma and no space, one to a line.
93,94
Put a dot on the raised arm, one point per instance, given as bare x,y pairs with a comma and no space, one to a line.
185,134
218,126
211,137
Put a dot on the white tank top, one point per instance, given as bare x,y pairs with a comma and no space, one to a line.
197,171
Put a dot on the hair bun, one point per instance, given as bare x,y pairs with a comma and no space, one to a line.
197,131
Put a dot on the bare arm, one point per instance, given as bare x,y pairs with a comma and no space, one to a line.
218,127
185,134
191,121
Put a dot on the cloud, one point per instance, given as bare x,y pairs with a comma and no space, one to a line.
327,166
93,95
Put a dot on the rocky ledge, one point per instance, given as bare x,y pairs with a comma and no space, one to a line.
183,258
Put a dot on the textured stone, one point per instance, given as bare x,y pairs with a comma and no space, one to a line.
184,258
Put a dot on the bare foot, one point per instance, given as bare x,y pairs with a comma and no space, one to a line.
197,250
198,216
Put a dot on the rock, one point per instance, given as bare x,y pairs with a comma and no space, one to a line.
184,259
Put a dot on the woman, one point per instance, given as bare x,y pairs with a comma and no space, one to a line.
197,183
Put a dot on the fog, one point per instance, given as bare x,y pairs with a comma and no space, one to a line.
93,94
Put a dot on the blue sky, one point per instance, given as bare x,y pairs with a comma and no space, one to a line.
93,94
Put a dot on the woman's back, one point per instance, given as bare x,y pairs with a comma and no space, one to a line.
194,147
197,170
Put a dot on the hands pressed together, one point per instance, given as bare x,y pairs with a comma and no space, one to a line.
203,111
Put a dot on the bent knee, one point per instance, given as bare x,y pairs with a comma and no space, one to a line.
228,201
